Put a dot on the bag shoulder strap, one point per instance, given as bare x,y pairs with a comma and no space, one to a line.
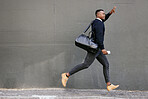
88,27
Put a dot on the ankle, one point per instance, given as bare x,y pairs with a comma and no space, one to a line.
67,75
108,83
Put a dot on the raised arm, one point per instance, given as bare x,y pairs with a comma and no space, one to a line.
108,14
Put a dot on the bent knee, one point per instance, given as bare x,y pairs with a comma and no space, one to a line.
106,65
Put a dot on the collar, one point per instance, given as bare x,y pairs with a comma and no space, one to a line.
99,19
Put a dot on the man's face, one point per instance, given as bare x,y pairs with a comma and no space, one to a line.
101,15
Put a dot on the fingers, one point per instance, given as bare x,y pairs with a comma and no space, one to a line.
114,7
104,52
113,10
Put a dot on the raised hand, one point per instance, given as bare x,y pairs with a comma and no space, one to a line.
113,10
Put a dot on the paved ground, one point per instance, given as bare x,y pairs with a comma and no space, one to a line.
61,93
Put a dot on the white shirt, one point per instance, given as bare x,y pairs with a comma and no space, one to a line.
99,19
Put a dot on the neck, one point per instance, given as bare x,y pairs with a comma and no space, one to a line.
99,18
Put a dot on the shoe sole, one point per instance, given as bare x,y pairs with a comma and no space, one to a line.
62,75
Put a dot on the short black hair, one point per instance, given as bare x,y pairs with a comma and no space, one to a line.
98,11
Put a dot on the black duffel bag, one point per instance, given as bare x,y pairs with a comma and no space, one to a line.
85,41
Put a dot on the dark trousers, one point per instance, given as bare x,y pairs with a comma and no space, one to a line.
90,57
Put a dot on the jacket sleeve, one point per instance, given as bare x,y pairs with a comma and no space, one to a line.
106,16
98,28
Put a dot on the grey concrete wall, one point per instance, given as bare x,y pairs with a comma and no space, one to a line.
37,43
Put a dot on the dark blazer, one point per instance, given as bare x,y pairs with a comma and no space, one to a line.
98,29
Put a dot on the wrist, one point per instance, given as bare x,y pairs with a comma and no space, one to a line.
110,12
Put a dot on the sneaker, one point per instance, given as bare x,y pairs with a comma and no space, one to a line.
111,87
64,79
